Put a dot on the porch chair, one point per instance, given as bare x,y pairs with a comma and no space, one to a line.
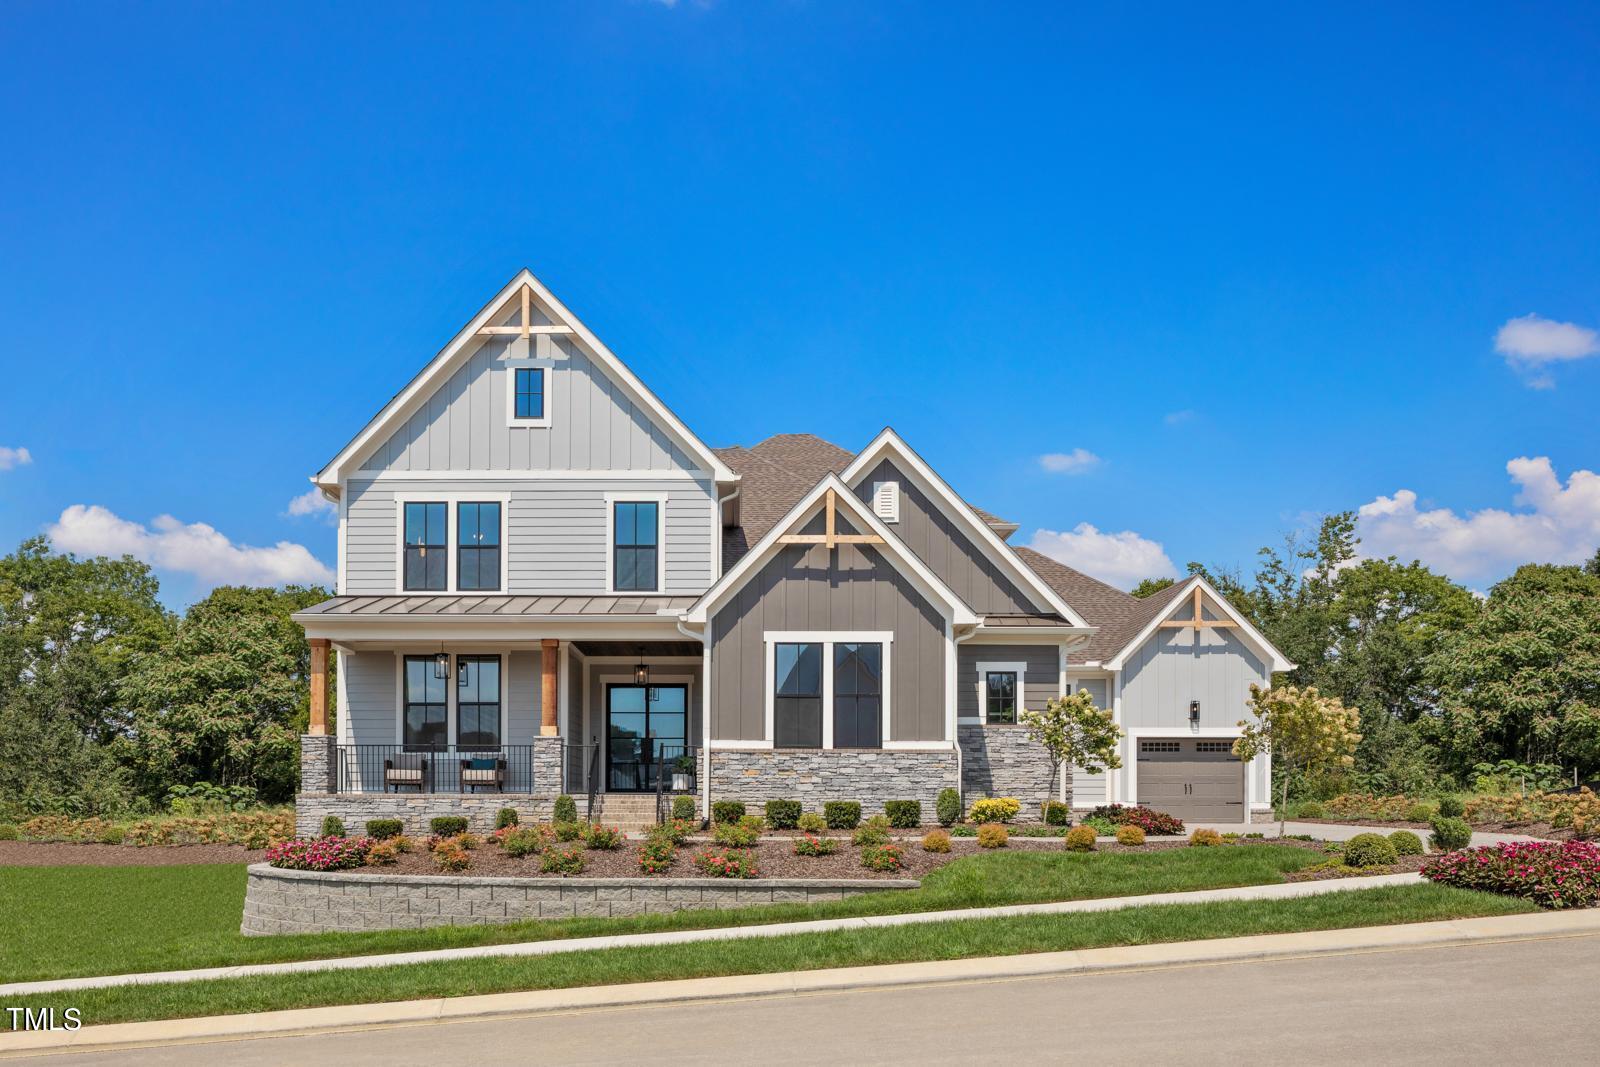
405,768
483,771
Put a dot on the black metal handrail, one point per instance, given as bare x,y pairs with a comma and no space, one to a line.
594,783
668,759
436,769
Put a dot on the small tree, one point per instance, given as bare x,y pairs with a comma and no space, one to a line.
1302,729
1072,730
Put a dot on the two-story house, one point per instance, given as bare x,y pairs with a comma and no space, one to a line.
549,584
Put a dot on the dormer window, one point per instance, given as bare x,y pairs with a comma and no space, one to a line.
528,395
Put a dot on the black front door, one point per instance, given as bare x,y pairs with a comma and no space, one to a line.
643,724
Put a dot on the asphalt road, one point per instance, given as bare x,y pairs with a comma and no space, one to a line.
1515,1002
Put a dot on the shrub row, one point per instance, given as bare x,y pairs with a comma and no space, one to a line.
252,829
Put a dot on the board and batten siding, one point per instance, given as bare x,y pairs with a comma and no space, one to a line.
593,425
556,531
1041,680
947,551
1089,790
1175,666
805,587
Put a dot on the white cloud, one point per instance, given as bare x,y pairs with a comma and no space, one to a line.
1531,343
14,457
1559,524
1121,559
1078,461
189,548
312,502
1178,418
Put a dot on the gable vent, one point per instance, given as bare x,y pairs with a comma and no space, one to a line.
886,500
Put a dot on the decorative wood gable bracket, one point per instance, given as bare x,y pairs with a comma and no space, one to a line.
527,327
831,537
1199,622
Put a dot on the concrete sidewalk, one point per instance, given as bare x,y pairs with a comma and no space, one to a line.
1278,891
1548,925
1328,831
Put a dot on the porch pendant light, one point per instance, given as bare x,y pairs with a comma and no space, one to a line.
641,673
441,664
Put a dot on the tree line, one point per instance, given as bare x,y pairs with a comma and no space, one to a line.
1454,690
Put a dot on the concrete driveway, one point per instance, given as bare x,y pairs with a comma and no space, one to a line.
1324,831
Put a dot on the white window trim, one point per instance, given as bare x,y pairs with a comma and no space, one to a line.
450,693
450,502
543,422
827,639
660,500
982,718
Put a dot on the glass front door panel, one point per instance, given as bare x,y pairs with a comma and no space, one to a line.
641,727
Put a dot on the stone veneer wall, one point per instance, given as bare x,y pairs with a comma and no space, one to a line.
316,764
1002,761
812,776
299,902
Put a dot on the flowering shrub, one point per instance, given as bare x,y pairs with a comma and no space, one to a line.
383,853
1130,835
519,841
1552,874
562,860
734,863
1146,819
994,809
733,835
656,855
320,853
675,830
992,835
885,857
812,845
450,856
569,831
1079,839
603,838
936,841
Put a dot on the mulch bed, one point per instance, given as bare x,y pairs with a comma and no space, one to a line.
69,854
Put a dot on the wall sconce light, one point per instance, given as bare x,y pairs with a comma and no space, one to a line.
1194,711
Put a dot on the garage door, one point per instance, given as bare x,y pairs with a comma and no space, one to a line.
1198,781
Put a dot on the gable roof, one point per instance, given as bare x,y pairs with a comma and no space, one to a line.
907,562
417,391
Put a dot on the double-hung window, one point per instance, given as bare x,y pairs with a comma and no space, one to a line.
636,546
478,547
425,715
797,699
478,702
527,394
857,695
427,562
1000,696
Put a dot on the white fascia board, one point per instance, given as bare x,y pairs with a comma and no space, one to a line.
402,406
928,584
1277,661
890,442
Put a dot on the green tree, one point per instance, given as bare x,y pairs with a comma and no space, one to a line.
1522,679
1074,732
1303,730
71,630
1152,585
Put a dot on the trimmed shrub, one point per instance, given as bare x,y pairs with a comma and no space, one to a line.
1205,839
1369,850
903,814
811,823
384,829
1452,807
332,826
1450,833
505,817
1079,839
525,841
992,835
448,825
9,832
602,838
1311,809
1406,843
727,810
1056,813
936,841
783,814
565,810
569,831
562,861
1552,874
733,835
994,809
683,807
452,857
884,857
656,855
753,822
875,831
734,863
948,807
811,845
1130,835
842,814
1421,812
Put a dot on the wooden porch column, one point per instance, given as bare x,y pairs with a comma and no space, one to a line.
319,686
548,665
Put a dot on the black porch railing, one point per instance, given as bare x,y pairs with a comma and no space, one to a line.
437,769
677,773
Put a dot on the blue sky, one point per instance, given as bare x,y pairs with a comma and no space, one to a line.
1257,266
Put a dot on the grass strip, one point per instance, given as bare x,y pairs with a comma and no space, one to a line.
66,922
935,941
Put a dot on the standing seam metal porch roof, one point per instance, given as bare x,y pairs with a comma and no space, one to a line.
496,606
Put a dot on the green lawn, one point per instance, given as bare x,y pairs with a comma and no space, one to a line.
62,922
934,941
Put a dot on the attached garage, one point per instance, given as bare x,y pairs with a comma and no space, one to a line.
1196,779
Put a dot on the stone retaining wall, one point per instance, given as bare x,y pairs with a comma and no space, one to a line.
299,902
1002,761
813,776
